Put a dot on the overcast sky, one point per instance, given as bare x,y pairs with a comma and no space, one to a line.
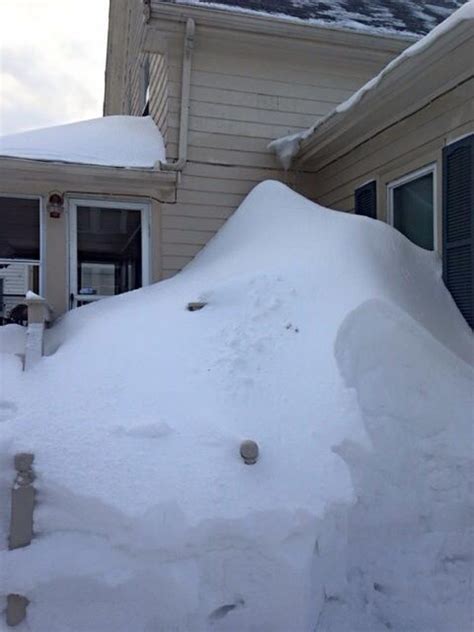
52,61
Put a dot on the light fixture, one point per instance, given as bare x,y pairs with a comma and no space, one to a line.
55,204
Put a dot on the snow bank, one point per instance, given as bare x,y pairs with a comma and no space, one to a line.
114,141
12,339
287,147
327,338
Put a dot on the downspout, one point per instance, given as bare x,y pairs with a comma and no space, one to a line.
188,48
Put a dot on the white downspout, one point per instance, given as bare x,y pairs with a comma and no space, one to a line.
188,48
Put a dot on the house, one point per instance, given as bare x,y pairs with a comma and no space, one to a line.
194,94
402,150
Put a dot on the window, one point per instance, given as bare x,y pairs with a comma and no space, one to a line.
20,239
412,207
145,88
109,249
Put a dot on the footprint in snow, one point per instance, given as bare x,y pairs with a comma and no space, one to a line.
7,410
146,431
220,613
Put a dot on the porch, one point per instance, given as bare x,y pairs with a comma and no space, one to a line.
74,232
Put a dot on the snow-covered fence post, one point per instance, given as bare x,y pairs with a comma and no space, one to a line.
21,525
38,315
16,609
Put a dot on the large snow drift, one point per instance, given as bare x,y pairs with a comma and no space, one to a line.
114,141
329,339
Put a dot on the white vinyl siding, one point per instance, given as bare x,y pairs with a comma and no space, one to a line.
405,146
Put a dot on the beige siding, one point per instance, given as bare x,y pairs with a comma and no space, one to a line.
159,94
242,97
133,103
410,144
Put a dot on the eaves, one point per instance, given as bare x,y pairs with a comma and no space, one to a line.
406,88
261,24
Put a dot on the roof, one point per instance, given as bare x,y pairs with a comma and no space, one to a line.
113,141
412,17
396,89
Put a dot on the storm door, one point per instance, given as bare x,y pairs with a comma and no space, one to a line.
109,249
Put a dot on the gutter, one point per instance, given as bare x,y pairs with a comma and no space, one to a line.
249,21
188,49
405,85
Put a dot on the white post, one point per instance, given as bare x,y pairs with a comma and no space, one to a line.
38,315
21,526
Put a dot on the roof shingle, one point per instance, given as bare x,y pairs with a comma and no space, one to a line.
415,17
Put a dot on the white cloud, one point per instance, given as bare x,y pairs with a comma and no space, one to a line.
52,62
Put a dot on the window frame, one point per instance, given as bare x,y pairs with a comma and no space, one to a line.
145,218
405,179
42,240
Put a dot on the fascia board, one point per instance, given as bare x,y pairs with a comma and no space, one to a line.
273,25
390,101
117,178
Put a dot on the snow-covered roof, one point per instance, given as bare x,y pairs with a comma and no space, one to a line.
413,17
288,147
114,141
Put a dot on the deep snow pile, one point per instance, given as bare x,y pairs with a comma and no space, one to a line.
327,338
114,141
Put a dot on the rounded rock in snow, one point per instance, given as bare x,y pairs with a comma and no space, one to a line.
249,451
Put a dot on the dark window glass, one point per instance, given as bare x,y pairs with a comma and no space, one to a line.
146,87
109,250
19,229
413,210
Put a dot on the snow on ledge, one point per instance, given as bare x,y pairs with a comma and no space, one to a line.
287,147
114,141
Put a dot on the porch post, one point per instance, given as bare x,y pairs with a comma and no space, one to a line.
38,315
21,526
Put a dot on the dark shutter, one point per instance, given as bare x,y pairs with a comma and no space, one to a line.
458,224
366,200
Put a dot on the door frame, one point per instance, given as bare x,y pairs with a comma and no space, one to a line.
145,217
